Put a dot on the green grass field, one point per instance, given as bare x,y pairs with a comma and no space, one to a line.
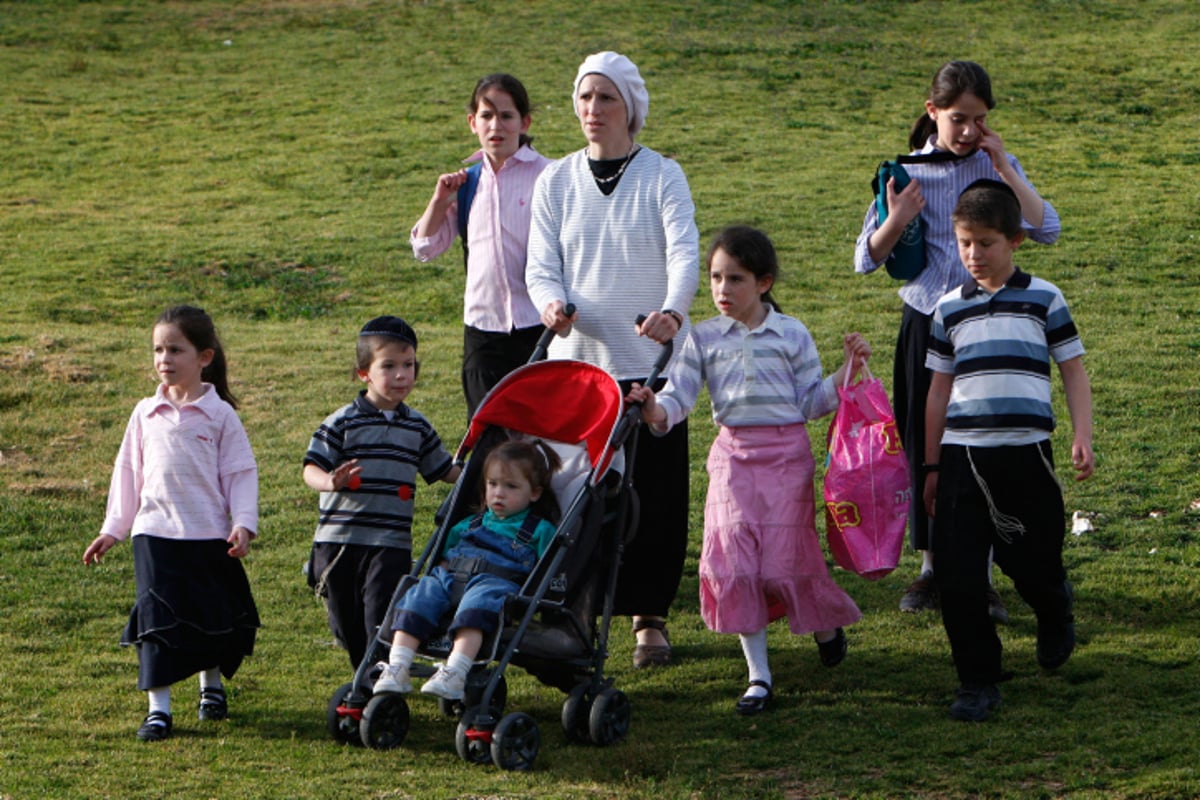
266,159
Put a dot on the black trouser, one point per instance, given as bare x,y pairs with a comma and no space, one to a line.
358,584
488,357
653,563
910,390
1025,494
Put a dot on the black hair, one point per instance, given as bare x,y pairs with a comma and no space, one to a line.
511,86
752,249
198,328
952,80
991,203
537,462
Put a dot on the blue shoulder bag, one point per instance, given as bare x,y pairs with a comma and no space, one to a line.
907,258
466,196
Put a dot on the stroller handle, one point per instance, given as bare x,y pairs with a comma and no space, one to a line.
543,343
664,355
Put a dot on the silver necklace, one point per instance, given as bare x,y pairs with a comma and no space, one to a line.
620,171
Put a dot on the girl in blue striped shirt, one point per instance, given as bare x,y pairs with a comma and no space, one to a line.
761,558
955,134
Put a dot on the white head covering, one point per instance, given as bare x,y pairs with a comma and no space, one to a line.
625,76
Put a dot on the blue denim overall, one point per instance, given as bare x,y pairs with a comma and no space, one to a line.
490,564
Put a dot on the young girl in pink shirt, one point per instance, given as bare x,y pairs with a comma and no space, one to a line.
501,326
185,484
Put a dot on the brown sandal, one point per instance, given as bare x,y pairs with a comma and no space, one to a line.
651,655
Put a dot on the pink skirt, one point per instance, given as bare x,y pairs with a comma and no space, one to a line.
761,557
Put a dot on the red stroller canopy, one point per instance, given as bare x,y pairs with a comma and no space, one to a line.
562,400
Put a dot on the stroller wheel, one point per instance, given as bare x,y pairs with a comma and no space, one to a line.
576,712
474,743
515,742
343,727
609,719
384,722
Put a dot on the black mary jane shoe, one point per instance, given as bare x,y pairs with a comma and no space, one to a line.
214,706
156,727
833,651
750,705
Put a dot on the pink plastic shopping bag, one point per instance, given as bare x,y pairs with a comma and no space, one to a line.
867,489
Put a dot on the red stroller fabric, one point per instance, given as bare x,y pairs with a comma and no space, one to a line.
564,401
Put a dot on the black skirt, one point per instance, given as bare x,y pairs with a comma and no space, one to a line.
194,610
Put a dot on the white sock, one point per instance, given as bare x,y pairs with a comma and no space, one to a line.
926,562
160,699
754,646
210,678
459,663
401,656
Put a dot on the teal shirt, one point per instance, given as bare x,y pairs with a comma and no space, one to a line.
508,526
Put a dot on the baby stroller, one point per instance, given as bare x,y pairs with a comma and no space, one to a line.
557,626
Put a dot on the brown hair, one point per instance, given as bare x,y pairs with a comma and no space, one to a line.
952,80
511,86
990,203
752,249
537,462
198,328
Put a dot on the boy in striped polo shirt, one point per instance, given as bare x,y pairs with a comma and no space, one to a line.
989,473
364,459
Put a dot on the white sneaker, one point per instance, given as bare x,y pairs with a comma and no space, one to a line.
446,684
393,679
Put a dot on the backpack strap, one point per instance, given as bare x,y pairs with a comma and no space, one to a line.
466,197
931,158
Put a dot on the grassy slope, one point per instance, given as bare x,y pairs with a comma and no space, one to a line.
264,160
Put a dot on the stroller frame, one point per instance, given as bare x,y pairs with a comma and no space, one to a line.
594,710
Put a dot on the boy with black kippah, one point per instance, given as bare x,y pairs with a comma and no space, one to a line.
989,475
364,460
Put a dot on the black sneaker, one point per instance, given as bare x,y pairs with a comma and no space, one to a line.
213,705
155,727
972,702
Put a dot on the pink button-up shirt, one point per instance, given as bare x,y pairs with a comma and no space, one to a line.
497,233
183,473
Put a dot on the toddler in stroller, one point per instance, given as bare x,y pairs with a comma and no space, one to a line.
487,557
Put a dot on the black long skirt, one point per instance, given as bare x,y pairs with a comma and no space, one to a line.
194,610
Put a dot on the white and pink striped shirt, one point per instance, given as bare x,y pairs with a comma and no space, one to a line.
497,234
183,473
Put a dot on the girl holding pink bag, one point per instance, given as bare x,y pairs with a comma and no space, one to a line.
761,557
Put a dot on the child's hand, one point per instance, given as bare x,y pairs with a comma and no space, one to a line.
239,541
652,412
348,474
906,204
991,143
447,186
929,494
856,351
99,546
1083,460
